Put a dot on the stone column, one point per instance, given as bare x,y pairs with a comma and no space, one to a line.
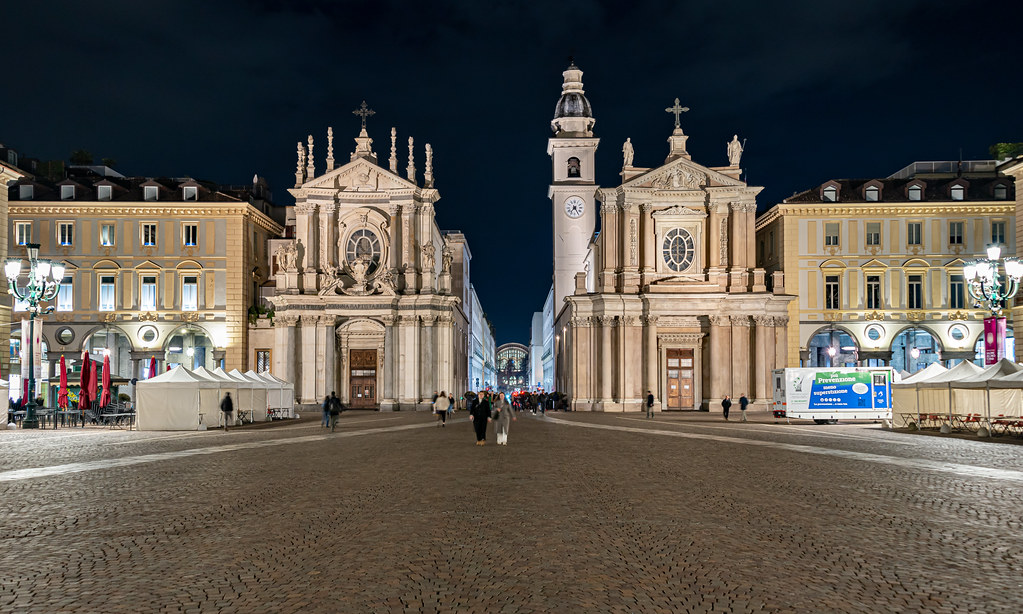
610,242
631,250
428,378
607,360
284,347
651,359
717,218
306,357
305,231
762,362
408,258
648,251
720,357
749,211
781,341
770,354
740,355
394,254
446,347
325,356
388,400
328,236
737,249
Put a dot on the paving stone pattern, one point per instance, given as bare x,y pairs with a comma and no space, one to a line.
564,519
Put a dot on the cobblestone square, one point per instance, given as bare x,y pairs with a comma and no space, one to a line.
594,512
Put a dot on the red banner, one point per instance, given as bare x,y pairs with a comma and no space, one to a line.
994,340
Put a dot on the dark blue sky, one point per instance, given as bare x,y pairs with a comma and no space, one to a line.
222,90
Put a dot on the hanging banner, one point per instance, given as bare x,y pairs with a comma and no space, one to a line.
994,340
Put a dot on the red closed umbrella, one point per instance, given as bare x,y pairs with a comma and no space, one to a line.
84,402
152,366
105,398
62,393
92,383
24,393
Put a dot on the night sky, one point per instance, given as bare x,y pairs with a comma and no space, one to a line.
222,90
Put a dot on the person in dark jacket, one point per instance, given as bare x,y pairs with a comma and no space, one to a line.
649,404
335,410
726,404
227,408
480,413
743,402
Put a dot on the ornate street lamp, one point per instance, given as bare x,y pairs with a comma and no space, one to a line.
992,291
44,279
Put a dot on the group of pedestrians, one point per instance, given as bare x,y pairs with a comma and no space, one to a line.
332,409
443,404
726,404
487,407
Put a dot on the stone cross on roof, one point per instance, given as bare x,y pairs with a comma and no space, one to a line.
363,111
677,110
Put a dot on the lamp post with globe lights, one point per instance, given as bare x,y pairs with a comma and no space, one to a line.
43,283
992,291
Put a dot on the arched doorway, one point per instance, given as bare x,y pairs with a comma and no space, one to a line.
190,347
832,348
913,349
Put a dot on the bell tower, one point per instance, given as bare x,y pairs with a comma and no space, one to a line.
573,185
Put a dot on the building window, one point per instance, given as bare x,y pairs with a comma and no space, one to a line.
23,232
873,291
148,294
106,235
956,292
1001,191
26,192
831,233
998,232
678,249
830,194
916,192
104,192
67,192
957,192
190,234
66,233
914,233
955,233
151,192
872,193
106,293
574,169
189,293
66,295
262,361
832,295
915,294
873,233
149,234
190,192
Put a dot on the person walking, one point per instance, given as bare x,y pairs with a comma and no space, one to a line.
335,410
726,404
480,413
502,419
440,407
227,408
743,402
649,404
326,412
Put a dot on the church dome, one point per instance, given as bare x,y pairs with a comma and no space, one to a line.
573,104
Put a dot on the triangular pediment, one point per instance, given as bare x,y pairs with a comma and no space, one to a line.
148,264
681,174
873,263
360,175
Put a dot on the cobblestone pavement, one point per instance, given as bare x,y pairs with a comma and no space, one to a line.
579,513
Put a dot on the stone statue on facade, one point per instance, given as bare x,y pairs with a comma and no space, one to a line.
428,256
287,257
446,258
628,152
332,281
358,269
384,283
734,151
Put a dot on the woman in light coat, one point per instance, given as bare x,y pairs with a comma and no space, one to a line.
502,419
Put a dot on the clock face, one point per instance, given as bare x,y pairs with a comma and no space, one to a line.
574,207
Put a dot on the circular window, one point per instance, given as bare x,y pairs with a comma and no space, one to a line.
679,249
874,332
958,332
148,334
363,244
65,336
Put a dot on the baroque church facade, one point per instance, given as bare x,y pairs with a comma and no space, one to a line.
667,297
370,298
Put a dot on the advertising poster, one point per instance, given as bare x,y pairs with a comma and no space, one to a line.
994,340
849,393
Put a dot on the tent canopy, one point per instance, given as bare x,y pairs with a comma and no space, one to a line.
958,372
172,401
925,374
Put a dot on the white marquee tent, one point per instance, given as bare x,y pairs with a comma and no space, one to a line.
280,395
173,401
259,394
905,394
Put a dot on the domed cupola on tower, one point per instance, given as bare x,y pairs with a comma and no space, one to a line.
573,115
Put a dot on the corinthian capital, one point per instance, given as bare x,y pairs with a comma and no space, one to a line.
740,320
719,320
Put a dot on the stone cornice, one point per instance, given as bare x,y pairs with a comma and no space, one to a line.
152,210
907,209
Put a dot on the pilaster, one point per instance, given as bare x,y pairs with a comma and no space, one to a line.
721,357
740,355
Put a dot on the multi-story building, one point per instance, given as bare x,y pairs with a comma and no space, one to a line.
878,263
9,174
541,346
512,367
156,267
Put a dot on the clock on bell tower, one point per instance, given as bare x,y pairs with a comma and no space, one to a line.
573,187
